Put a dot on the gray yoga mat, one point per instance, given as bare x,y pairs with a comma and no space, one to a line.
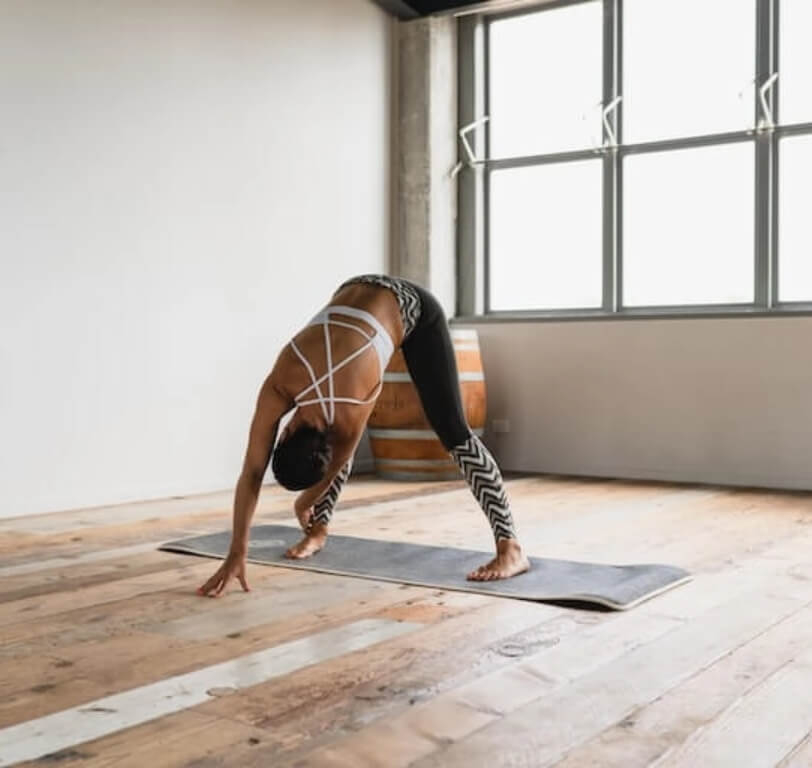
618,587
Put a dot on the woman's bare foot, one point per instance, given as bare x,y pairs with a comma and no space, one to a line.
509,561
312,542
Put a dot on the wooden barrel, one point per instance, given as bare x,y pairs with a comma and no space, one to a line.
403,443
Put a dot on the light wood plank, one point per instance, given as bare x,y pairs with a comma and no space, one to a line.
316,705
102,570
800,756
109,667
170,735
461,675
169,748
273,498
57,636
759,729
68,728
542,732
645,735
135,657
266,607
50,696
591,645
7,573
33,608
156,666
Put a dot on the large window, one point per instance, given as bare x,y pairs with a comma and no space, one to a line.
642,156
541,86
546,224
796,61
688,227
795,217
688,67
795,152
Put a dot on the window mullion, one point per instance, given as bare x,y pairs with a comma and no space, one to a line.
485,230
764,266
775,103
611,209
471,219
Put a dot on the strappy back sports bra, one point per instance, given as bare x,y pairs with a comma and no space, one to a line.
380,341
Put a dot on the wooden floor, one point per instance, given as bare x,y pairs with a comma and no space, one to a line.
714,673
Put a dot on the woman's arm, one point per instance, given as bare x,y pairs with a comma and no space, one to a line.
324,496
343,452
271,406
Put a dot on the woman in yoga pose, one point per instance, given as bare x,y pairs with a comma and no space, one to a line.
332,373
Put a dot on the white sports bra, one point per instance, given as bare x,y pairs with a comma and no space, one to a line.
380,341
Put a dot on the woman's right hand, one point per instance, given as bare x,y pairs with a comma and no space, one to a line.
233,565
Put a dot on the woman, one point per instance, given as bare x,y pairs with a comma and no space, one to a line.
332,373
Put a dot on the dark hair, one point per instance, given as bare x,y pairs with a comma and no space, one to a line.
301,459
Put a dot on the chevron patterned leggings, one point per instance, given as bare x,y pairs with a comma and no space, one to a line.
485,481
323,508
481,473
429,355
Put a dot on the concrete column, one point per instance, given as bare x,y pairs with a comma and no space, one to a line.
425,196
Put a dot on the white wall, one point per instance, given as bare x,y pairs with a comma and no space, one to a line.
182,184
696,400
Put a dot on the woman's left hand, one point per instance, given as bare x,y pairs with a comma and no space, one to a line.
305,517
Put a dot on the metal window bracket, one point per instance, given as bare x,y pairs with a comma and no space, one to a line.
471,159
609,143
767,122
611,136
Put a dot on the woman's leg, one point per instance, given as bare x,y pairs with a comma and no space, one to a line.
323,508
485,481
429,354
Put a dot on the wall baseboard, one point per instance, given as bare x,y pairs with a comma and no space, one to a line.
673,476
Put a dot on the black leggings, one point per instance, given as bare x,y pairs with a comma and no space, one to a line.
431,361
430,358
432,364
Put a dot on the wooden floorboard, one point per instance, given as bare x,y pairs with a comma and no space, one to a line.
600,649
800,756
545,730
714,673
653,733
759,728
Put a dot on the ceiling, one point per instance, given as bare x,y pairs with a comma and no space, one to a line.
425,7
411,9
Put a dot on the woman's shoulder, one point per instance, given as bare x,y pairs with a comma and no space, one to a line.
285,375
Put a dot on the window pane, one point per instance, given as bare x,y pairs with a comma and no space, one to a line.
688,67
545,237
795,222
688,226
796,62
546,81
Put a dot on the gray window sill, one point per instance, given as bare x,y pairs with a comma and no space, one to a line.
533,316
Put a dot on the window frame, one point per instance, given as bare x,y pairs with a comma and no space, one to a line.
473,242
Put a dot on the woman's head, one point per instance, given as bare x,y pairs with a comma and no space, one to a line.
301,458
